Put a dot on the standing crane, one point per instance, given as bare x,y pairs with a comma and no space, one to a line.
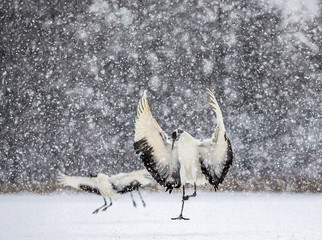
184,159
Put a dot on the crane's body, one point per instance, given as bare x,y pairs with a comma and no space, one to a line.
188,156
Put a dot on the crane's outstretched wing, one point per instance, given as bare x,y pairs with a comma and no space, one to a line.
127,182
80,183
152,143
216,154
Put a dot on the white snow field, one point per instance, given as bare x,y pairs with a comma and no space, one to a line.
213,216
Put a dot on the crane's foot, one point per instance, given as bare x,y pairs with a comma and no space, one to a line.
96,211
180,218
185,198
104,209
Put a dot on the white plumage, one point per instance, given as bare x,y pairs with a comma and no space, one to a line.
186,159
109,186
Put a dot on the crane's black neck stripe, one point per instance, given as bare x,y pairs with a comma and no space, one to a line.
91,175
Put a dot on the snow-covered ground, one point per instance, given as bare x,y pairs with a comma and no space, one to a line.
213,216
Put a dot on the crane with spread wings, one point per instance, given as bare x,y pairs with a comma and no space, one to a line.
184,159
109,186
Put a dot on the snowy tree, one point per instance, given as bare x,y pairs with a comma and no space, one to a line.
72,73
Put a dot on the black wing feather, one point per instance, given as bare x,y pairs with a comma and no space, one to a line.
89,189
169,182
209,172
134,185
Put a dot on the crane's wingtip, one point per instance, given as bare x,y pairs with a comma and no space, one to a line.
210,90
60,178
59,173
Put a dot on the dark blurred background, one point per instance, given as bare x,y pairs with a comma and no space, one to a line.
72,72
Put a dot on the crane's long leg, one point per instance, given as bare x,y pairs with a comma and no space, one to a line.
143,203
105,203
104,209
134,203
180,217
192,195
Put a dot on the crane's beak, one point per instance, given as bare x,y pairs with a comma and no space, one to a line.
173,140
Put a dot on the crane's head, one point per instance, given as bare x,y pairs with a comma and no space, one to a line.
175,135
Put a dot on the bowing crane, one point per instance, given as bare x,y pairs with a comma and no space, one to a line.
109,186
